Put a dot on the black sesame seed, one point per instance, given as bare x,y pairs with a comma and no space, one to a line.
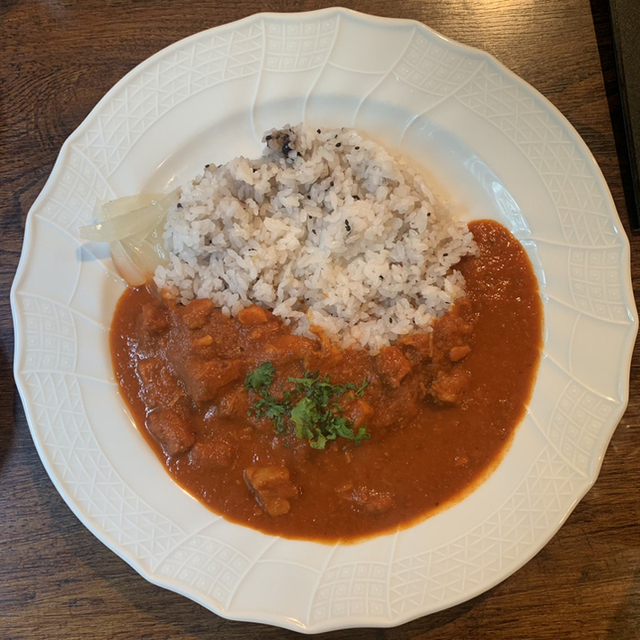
356,197
331,184
315,233
267,138
444,255
179,206
319,131
308,197
390,320
286,149
428,214
357,148
381,277
338,144
347,227
206,166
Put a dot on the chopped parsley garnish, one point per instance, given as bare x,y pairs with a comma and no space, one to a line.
261,377
310,410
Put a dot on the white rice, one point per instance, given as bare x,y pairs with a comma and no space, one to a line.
338,234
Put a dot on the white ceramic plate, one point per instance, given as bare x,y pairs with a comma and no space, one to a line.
501,151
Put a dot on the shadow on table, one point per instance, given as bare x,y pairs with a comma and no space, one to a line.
7,397
7,6
602,25
625,625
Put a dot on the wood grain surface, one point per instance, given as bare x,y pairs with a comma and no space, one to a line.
57,59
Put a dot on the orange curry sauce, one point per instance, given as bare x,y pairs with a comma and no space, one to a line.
441,407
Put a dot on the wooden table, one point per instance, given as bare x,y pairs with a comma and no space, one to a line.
56,580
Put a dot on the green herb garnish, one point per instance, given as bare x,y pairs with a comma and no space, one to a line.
311,410
261,377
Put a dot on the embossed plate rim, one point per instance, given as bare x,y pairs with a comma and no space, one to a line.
332,574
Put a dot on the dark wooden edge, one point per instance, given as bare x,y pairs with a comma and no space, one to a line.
612,59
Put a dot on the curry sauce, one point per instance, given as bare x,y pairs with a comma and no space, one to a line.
439,408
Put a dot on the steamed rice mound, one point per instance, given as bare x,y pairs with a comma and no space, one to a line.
326,229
